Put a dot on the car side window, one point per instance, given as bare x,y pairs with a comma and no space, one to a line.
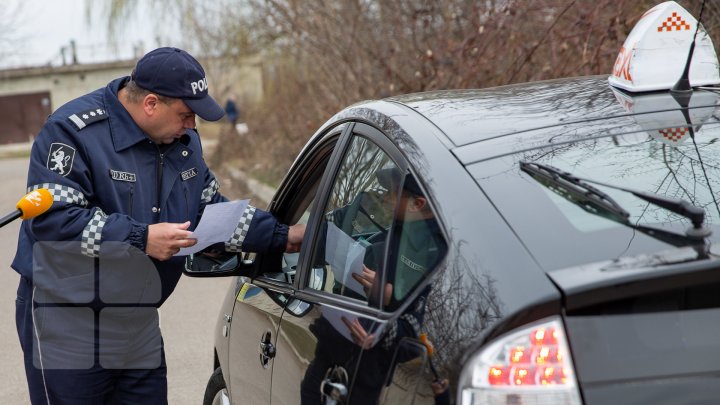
296,209
357,218
290,260
417,244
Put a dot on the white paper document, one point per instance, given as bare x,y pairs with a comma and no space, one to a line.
217,224
334,316
345,256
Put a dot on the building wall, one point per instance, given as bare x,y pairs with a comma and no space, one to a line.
239,76
63,83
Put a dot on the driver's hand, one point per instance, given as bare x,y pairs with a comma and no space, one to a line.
366,278
358,333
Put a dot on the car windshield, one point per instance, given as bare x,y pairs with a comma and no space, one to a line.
665,161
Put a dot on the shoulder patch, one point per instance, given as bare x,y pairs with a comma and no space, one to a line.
85,118
60,158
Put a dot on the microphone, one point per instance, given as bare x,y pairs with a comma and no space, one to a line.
31,205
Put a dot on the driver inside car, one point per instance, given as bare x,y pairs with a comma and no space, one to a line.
414,247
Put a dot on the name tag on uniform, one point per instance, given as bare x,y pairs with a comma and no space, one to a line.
188,174
122,176
411,264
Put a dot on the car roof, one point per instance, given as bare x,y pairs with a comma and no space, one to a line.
461,113
487,123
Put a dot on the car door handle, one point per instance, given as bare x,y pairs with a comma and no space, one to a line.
267,349
333,391
333,387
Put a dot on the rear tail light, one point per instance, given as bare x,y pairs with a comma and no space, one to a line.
529,366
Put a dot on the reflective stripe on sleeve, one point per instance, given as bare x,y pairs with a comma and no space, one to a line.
62,193
92,234
209,191
236,241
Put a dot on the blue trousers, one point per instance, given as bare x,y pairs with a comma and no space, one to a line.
90,385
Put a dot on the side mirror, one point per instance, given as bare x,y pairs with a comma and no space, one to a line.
204,264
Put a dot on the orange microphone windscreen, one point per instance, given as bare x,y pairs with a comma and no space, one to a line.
35,203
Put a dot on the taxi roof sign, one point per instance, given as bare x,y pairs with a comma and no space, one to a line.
654,55
658,115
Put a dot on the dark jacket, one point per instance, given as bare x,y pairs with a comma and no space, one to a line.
110,181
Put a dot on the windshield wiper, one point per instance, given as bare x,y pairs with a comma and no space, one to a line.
576,190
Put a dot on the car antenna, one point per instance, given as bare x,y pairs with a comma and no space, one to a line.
682,88
682,91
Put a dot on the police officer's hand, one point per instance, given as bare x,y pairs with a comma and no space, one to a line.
165,239
295,237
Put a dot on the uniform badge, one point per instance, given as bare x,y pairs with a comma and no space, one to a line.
60,158
189,174
122,176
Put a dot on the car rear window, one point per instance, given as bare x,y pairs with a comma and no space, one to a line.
561,234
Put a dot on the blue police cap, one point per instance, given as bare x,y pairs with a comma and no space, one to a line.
172,72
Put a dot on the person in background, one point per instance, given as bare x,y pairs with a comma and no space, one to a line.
231,111
131,186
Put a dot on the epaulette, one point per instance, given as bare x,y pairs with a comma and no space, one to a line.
85,118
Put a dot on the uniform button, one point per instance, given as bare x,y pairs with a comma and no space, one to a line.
154,209
184,153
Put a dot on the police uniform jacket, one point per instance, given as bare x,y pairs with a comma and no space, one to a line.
109,181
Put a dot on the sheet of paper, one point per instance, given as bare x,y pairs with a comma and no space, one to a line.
354,264
345,257
216,225
334,316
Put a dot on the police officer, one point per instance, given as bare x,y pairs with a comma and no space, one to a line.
125,167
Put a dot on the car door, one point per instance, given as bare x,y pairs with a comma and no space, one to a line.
256,317
331,325
261,299
330,320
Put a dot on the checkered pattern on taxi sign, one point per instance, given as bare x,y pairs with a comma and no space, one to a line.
674,22
673,134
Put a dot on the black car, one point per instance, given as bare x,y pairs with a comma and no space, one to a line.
552,242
